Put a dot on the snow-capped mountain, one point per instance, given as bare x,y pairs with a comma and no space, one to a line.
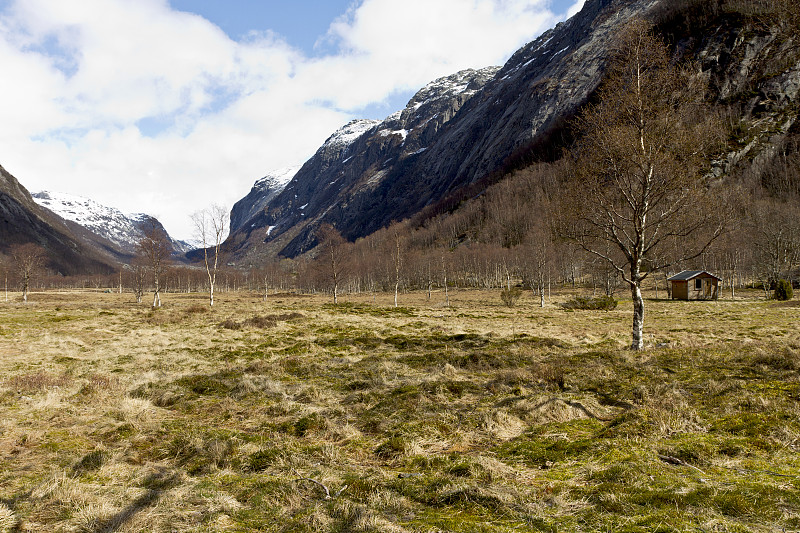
24,221
356,158
349,133
122,231
263,191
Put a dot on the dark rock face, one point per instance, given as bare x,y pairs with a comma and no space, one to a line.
453,132
263,191
461,129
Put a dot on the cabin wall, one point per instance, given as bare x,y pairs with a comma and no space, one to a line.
680,290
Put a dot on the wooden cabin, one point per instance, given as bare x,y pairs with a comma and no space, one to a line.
695,285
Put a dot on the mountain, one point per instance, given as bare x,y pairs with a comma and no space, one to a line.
356,159
461,133
23,221
263,191
454,132
123,232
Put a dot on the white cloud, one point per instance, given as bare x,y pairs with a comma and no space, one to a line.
149,109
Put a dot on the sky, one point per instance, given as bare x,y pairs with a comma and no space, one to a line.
169,106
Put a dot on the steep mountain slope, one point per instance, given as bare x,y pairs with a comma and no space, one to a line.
263,191
357,157
110,224
468,129
454,132
23,221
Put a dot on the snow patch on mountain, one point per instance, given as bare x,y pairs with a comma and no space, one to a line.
108,222
347,134
277,179
124,231
450,87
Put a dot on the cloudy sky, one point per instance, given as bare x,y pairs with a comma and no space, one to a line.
168,106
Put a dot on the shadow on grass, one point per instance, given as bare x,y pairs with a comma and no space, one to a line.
157,484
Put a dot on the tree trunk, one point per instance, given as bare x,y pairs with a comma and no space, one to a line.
637,342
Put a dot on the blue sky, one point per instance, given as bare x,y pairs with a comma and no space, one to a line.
167,106
303,23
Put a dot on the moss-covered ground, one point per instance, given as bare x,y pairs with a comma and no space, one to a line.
298,415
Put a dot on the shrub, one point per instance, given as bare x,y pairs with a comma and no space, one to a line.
510,296
601,303
230,324
783,290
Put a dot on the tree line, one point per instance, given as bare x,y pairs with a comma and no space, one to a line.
633,199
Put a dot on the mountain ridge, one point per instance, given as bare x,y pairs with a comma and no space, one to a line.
123,231
405,165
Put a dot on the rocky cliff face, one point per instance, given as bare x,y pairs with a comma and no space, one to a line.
356,159
453,132
263,191
466,127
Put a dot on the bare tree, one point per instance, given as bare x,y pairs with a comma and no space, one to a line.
332,255
397,260
156,249
4,267
211,226
28,260
639,165
139,266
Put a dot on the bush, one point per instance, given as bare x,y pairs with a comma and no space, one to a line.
783,290
510,296
601,303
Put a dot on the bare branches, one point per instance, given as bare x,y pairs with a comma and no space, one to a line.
28,260
324,487
211,226
156,249
638,167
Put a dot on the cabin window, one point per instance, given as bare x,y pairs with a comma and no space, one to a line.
698,284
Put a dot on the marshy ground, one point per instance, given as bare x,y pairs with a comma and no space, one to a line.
298,415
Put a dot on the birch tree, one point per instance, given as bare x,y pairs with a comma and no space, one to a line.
636,184
333,249
156,249
28,260
212,228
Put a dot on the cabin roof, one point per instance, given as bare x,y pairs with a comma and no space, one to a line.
688,275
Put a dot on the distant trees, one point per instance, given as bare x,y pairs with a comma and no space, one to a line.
211,227
4,268
776,240
635,188
156,249
28,260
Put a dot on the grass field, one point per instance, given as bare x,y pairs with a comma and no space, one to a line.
297,415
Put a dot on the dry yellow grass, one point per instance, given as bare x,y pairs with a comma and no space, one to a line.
120,418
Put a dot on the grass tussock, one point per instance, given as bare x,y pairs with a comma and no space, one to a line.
306,416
